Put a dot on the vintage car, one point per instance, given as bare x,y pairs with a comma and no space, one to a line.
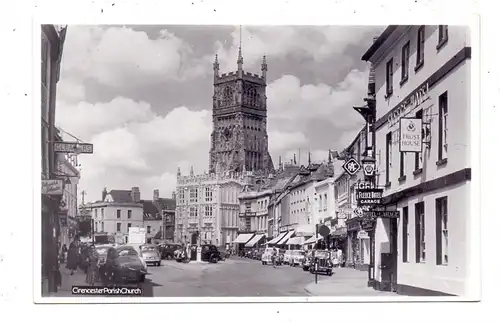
210,253
287,257
321,262
150,254
267,258
167,250
123,265
296,257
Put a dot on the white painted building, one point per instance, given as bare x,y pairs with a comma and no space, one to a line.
424,72
254,211
117,212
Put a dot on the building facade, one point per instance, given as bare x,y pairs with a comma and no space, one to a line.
69,204
423,72
254,216
52,41
207,209
239,140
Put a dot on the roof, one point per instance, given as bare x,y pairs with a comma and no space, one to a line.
166,203
150,211
380,40
121,195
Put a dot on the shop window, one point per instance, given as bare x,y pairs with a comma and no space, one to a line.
405,234
442,231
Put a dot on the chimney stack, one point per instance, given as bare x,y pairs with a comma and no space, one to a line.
156,194
136,194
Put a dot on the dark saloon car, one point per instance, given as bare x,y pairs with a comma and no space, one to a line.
322,262
122,265
210,253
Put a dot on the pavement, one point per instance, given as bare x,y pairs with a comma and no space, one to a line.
344,282
236,277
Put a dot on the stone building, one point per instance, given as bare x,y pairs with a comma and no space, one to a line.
239,140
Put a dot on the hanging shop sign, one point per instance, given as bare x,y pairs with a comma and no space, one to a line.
369,169
73,147
365,185
369,196
63,219
410,137
52,187
353,225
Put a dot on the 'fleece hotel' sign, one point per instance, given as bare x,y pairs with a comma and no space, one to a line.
410,139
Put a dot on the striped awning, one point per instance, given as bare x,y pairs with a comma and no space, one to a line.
299,240
286,238
243,238
254,240
312,240
277,239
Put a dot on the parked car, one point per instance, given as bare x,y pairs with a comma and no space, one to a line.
322,262
267,258
296,257
167,250
287,257
150,254
306,261
258,254
122,265
210,253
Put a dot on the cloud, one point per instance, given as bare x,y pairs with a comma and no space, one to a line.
85,119
290,100
318,42
284,140
115,56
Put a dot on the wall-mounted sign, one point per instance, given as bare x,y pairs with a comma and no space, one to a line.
419,96
351,166
410,137
365,185
369,196
73,147
372,215
362,234
52,187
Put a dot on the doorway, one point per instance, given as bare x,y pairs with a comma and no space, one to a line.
394,253
194,238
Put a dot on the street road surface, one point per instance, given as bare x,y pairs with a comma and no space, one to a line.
233,277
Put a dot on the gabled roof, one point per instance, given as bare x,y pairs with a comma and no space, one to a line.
121,195
150,211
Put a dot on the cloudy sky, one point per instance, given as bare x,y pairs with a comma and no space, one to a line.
143,95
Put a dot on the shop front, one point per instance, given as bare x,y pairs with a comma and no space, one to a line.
50,234
353,226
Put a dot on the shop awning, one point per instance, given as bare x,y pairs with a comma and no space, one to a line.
242,238
312,240
277,239
254,240
296,240
286,238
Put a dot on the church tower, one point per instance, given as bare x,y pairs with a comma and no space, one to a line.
239,140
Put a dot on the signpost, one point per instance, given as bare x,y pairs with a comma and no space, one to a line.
410,138
351,166
369,196
73,147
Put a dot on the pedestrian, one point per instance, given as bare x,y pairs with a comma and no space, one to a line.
64,252
92,259
73,256
340,256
